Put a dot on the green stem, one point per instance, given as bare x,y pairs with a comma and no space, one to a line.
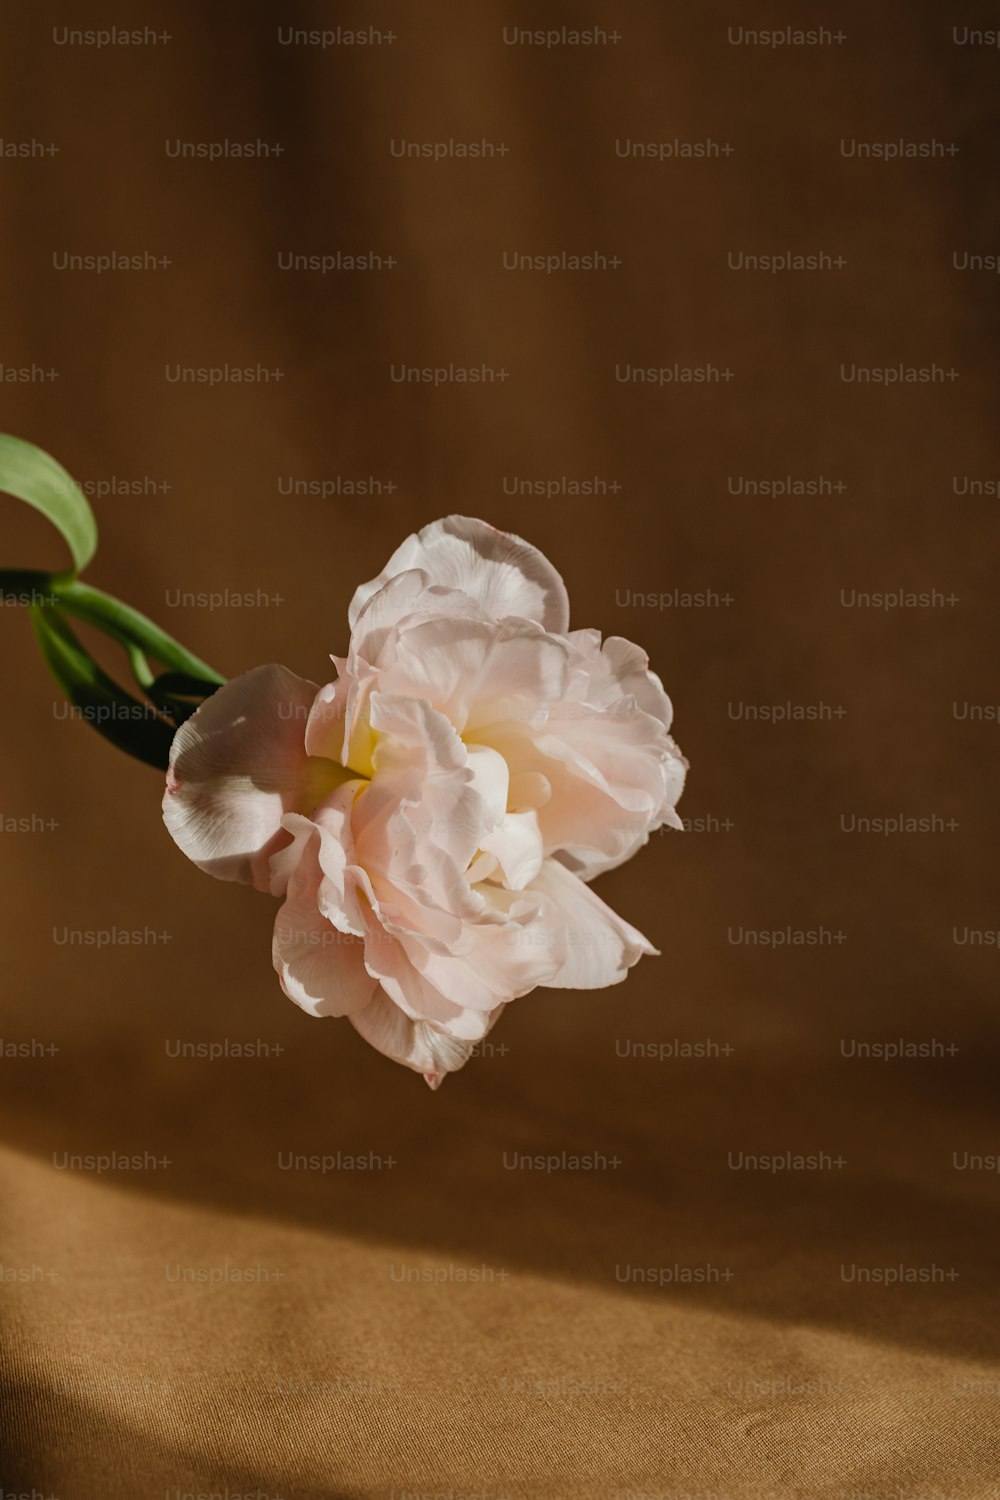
121,620
137,660
115,714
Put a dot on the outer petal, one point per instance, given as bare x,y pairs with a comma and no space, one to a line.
236,767
611,776
415,1044
619,669
504,574
597,946
605,677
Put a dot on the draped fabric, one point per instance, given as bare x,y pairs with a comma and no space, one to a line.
691,1236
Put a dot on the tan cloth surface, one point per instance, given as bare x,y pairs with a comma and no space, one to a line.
452,1324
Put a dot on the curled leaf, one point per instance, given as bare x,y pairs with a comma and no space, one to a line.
33,475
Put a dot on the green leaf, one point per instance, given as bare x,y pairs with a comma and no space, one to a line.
34,476
129,724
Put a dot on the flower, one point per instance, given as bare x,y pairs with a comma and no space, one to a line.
433,815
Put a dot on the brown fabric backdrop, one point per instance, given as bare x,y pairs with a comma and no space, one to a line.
360,1358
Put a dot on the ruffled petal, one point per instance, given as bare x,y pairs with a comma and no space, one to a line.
502,573
612,775
415,1044
418,825
330,824
597,947
325,726
419,997
320,968
407,596
477,672
619,669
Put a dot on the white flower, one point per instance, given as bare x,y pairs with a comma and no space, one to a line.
432,816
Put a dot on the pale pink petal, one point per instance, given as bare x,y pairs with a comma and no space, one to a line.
324,728
613,775
500,964
417,996
483,867
528,791
502,573
517,844
320,968
338,725
284,861
512,838
497,961
491,780
402,603
406,597
236,767
330,824
417,826
338,894
619,669
387,960
477,672
589,837
415,1044
413,735
597,947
